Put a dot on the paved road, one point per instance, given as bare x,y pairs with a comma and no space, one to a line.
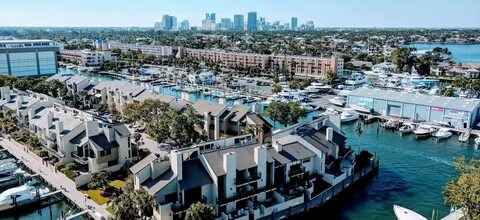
48,173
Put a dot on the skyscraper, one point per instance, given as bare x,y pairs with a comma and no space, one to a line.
210,16
184,25
294,23
238,22
226,24
167,22
174,23
252,21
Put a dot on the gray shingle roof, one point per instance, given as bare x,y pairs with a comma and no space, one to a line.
100,142
244,154
143,163
154,185
239,113
214,109
420,99
298,151
122,130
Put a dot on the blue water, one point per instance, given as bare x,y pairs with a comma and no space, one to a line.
460,52
412,172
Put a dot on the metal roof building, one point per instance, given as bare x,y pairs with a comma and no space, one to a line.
460,112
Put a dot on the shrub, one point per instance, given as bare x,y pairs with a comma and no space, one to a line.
71,166
70,174
94,185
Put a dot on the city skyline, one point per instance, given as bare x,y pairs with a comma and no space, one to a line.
428,13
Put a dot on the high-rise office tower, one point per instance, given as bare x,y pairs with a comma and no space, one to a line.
252,21
226,24
167,22
174,23
184,25
210,16
294,23
238,22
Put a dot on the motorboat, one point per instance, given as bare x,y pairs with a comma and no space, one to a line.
348,116
249,99
24,195
9,160
338,101
406,214
8,168
362,108
406,128
207,92
307,107
391,124
477,142
328,111
82,69
71,67
394,82
356,79
423,131
318,88
443,133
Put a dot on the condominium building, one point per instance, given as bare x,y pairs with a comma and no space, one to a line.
28,57
146,49
300,65
244,179
294,23
252,21
87,57
238,22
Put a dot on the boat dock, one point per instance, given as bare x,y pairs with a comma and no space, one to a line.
55,180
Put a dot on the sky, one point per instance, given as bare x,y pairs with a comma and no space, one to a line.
324,13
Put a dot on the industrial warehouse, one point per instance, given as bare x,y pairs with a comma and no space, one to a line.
458,112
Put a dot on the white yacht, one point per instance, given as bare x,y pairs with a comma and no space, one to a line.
82,69
329,111
10,160
338,101
307,107
23,195
318,87
207,92
477,142
443,133
423,131
348,116
356,79
362,108
406,214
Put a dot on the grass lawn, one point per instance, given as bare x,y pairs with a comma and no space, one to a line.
118,184
94,195
110,209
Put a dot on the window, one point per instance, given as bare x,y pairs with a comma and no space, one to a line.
306,160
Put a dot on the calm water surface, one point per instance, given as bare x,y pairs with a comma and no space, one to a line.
460,52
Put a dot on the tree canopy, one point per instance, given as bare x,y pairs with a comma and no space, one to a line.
464,190
285,113
131,203
200,211
144,111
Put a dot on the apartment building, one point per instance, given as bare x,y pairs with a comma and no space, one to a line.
244,179
28,57
301,65
75,83
146,49
88,58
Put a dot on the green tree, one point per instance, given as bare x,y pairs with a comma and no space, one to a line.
276,88
402,57
464,191
143,111
285,113
200,211
330,77
131,203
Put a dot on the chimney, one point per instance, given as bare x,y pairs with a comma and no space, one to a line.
109,132
31,114
260,156
19,101
329,134
49,119
91,128
59,127
230,167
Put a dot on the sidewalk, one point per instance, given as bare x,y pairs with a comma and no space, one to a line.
69,190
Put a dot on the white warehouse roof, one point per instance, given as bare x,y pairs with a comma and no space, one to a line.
419,99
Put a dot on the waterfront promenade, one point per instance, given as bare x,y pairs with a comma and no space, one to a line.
55,179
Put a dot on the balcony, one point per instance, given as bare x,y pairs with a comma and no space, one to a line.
296,172
244,195
241,181
51,137
79,159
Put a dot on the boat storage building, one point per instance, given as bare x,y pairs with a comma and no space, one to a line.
460,112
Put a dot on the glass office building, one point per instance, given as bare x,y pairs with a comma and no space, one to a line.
28,57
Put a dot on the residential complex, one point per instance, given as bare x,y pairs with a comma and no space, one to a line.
244,179
69,134
301,65
87,57
28,57
147,49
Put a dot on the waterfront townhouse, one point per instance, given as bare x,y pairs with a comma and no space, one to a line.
74,83
22,102
300,65
220,119
244,179
456,111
